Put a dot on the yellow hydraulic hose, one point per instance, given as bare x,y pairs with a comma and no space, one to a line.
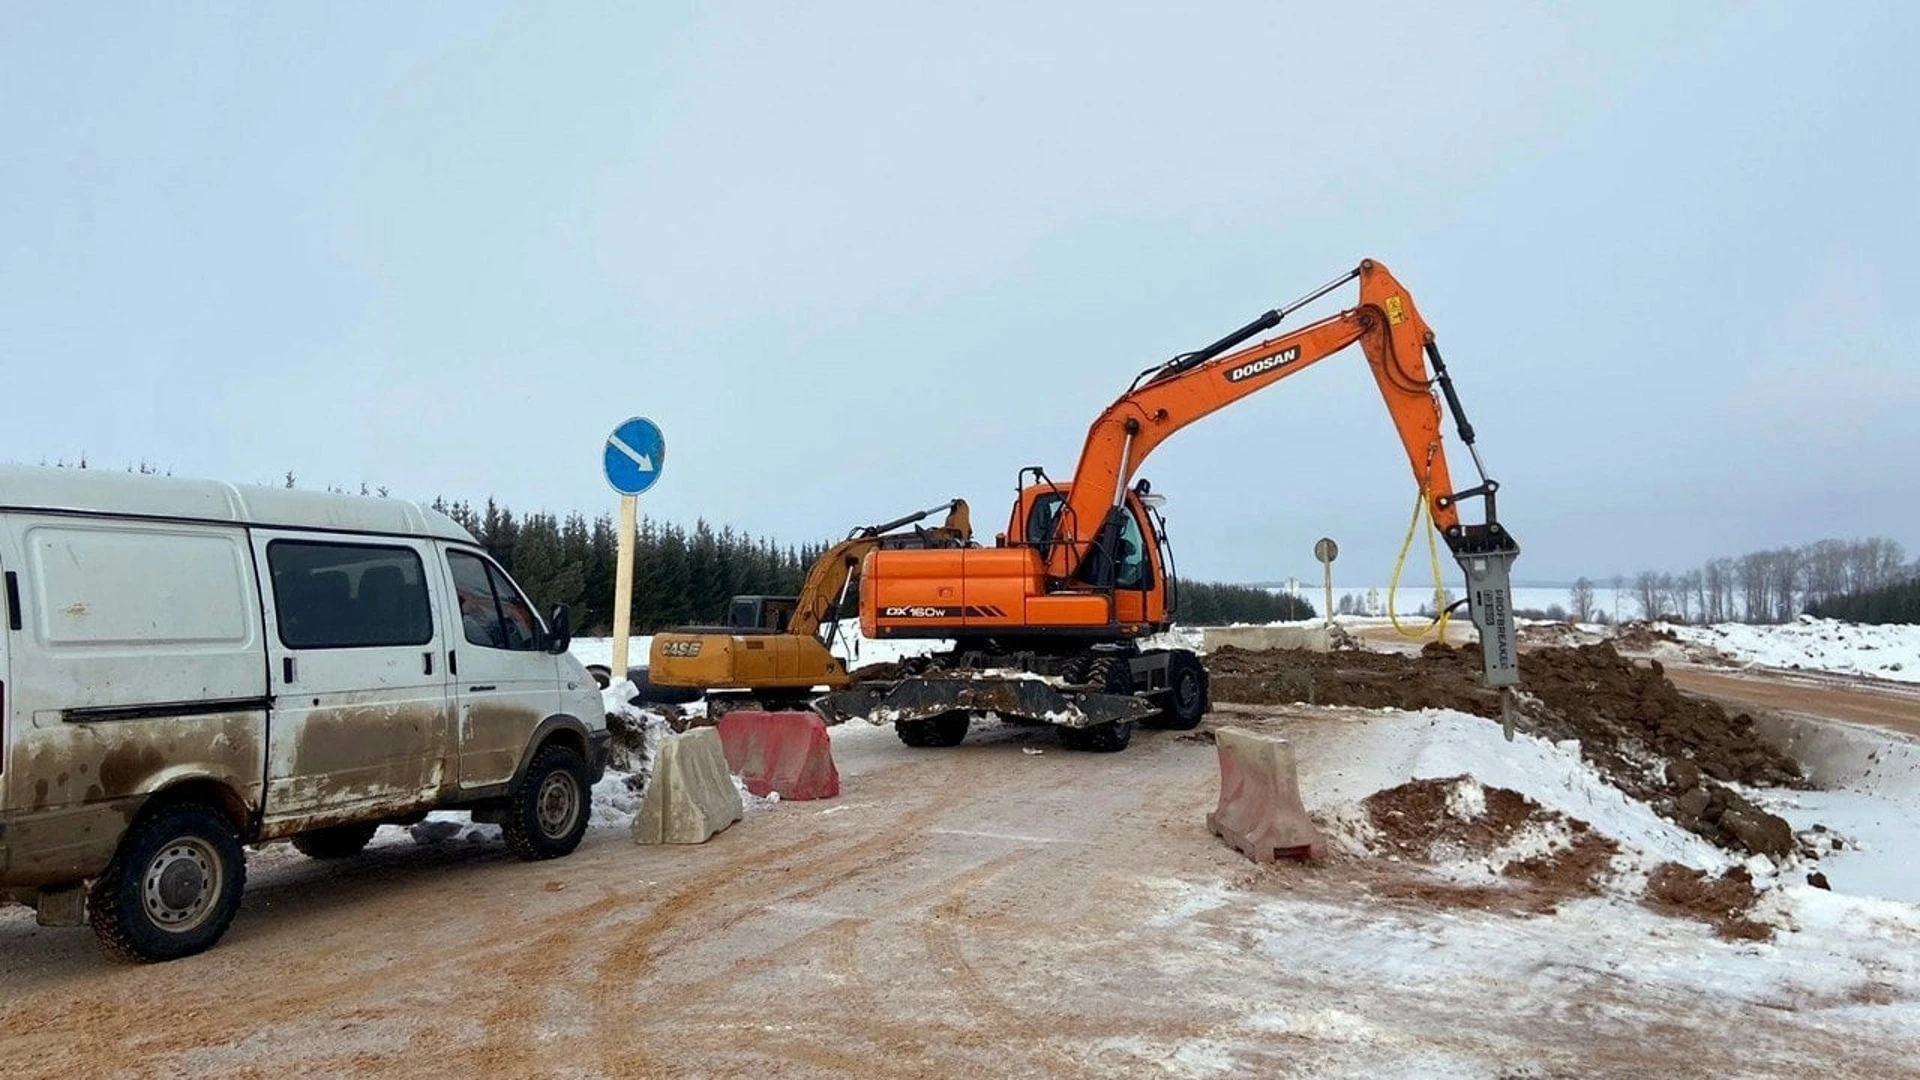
1422,509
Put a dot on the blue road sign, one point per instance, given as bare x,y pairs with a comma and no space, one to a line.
636,452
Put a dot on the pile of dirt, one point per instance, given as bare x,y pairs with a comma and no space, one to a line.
1724,903
1643,637
1678,753
1545,856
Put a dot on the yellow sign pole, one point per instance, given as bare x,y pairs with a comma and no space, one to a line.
623,585
1327,568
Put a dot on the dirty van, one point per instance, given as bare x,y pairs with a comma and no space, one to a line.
188,667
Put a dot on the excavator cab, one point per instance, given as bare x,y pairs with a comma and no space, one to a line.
766,614
1128,557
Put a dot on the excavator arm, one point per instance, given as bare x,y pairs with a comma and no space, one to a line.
827,581
1397,344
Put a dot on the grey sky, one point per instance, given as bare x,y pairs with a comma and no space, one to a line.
857,259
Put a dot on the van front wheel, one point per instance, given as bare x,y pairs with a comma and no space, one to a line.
547,814
172,888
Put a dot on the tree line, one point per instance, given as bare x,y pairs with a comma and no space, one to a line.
1897,603
686,576
1769,586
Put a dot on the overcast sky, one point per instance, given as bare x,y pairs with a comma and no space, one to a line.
858,259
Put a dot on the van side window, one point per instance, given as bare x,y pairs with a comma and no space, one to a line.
492,611
348,596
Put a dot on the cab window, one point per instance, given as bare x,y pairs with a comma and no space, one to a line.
1131,571
1040,519
493,612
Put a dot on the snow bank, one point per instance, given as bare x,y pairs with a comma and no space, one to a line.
599,650
1810,644
1390,748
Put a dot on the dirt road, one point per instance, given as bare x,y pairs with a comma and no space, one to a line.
1893,706
986,911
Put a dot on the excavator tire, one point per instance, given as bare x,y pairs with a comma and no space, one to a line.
947,729
1110,675
1188,695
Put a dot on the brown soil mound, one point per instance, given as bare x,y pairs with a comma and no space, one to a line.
1643,636
1657,744
1415,822
1723,903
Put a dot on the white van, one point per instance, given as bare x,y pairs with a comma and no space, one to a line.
189,666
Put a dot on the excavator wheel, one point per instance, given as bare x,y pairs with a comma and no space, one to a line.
947,729
1188,694
1075,671
1110,675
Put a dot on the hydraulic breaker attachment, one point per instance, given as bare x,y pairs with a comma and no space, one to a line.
1486,554
1016,696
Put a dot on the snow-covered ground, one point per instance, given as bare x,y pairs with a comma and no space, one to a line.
1810,644
1844,961
1393,747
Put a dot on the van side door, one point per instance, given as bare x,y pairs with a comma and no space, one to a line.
361,722
504,681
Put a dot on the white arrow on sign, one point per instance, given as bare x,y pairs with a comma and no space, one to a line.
643,461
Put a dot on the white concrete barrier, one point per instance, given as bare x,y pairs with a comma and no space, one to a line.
1260,814
1259,638
691,796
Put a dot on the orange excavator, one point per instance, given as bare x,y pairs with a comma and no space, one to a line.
1048,625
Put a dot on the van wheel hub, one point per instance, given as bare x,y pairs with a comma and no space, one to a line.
181,884
558,803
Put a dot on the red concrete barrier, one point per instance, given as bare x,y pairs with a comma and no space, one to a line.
1260,813
784,752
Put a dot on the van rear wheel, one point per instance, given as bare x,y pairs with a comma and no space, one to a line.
547,814
172,888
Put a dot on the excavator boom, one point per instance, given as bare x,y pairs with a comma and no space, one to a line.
1397,343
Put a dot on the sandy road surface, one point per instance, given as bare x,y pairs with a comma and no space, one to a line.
1894,706
978,912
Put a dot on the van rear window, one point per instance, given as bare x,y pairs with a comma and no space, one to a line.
348,596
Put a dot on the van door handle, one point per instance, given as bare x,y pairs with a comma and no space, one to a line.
427,658
481,689
286,667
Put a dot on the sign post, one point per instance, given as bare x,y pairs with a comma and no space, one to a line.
1326,551
634,456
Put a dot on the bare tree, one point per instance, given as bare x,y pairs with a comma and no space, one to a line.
1681,594
1755,599
1824,569
1786,577
1580,598
1647,593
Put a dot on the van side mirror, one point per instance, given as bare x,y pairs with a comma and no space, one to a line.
560,632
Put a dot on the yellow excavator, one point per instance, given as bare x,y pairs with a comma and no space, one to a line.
775,651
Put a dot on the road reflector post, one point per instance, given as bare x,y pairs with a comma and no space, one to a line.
623,585
635,453
1326,551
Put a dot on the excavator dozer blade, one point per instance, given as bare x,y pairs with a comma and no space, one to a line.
924,697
